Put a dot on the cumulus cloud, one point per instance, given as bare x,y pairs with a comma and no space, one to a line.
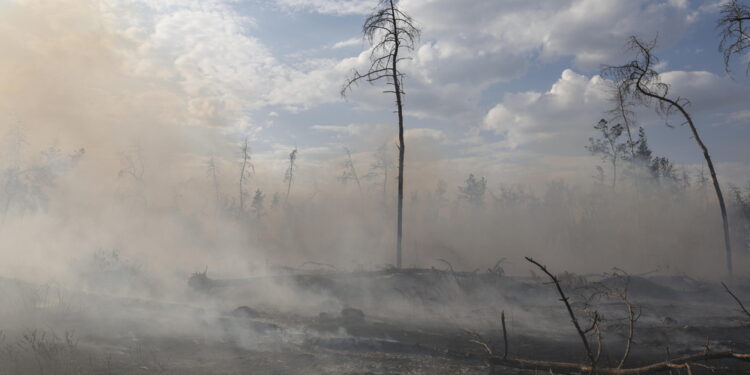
705,90
210,51
568,107
351,129
469,46
559,120
348,43
506,34
338,7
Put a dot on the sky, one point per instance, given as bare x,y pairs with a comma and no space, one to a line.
508,89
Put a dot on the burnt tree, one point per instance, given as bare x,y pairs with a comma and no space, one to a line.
289,175
245,172
389,32
639,81
735,37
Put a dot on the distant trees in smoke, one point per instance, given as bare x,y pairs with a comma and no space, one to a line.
246,171
26,181
642,162
607,145
473,190
349,172
289,174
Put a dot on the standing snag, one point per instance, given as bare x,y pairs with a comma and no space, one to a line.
245,172
639,81
388,30
289,175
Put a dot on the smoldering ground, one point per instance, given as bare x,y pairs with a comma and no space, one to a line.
117,190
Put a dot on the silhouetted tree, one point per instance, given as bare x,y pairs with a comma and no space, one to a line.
643,152
389,30
246,170
742,212
640,82
381,166
607,145
473,190
289,175
25,184
257,204
659,168
662,169
735,37
350,172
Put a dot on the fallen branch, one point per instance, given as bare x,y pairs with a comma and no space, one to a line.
564,299
736,299
569,368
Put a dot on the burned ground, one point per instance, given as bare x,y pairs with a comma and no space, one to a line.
379,322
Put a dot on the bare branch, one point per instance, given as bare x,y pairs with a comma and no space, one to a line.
736,299
654,368
573,318
735,38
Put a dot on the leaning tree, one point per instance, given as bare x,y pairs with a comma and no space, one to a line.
735,37
639,81
389,32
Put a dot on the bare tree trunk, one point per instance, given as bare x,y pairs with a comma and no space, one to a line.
717,188
242,177
290,173
624,114
401,146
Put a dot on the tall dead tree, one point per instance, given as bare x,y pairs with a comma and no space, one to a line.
389,31
212,171
245,172
735,37
639,81
289,175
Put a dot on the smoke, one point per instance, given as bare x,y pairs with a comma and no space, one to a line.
143,188
141,208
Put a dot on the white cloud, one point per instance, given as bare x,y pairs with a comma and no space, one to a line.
350,130
348,43
501,31
425,134
705,90
559,120
338,7
469,46
570,107
207,49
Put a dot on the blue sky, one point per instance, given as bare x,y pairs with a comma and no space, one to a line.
507,89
